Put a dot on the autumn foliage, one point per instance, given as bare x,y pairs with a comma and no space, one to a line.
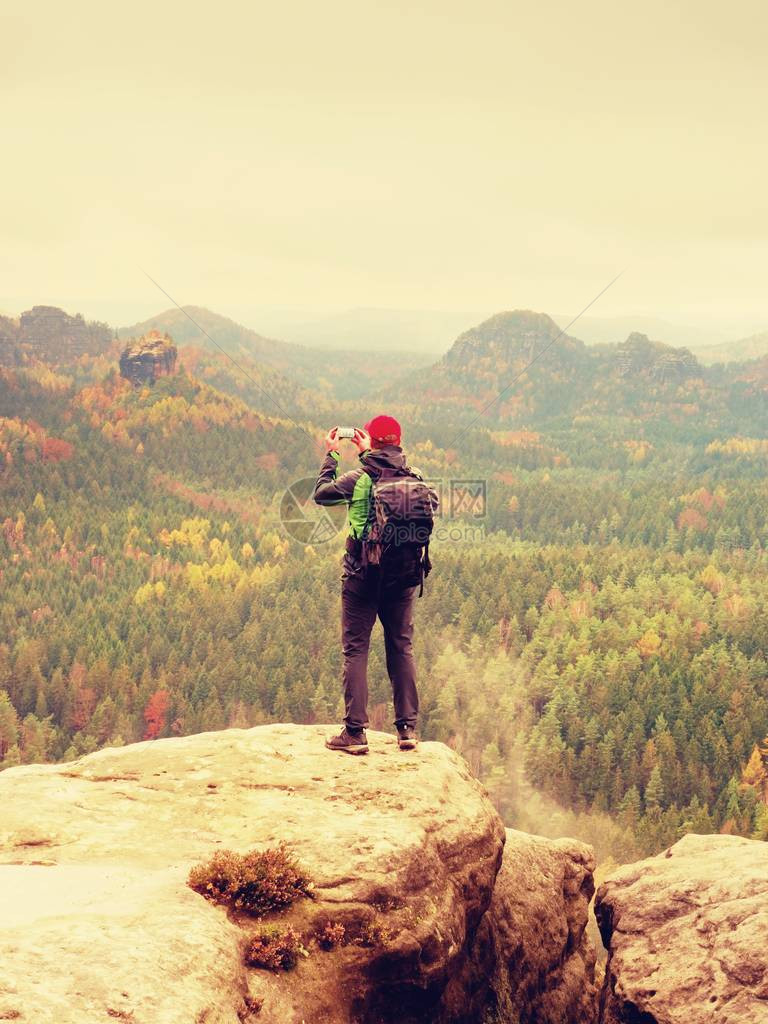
56,450
156,714
27,441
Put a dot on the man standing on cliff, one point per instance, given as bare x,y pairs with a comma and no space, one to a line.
382,572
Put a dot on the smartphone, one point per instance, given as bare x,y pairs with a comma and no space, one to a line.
345,433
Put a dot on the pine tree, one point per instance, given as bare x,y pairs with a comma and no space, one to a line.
321,706
654,792
629,809
282,708
9,725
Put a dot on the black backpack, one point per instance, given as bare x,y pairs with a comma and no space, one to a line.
402,512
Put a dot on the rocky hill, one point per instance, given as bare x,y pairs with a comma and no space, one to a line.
509,343
518,368
49,334
511,338
193,325
419,910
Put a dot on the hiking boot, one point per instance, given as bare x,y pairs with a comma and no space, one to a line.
349,742
406,737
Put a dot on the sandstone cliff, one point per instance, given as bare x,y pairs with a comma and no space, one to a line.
50,334
405,851
687,935
147,358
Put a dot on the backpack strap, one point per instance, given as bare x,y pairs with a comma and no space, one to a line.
385,473
426,568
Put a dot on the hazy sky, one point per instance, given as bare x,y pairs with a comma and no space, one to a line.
435,155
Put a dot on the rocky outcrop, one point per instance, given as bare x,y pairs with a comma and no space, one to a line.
48,334
659,363
687,935
147,358
404,850
51,335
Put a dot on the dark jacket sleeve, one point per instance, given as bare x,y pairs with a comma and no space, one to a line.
330,490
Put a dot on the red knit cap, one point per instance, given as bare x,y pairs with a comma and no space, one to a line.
383,430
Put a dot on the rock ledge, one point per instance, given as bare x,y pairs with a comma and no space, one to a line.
404,850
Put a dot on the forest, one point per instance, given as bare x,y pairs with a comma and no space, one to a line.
593,639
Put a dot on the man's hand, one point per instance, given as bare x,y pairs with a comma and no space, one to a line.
361,440
332,440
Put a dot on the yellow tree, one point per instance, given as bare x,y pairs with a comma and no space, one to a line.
755,773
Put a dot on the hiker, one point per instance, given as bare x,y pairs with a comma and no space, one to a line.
385,563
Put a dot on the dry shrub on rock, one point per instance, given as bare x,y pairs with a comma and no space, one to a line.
331,936
259,882
274,949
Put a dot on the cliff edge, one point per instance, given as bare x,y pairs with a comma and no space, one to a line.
431,918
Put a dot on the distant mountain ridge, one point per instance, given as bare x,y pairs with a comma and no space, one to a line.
422,331
609,330
743,350
347,373
638,356
190,324
517,367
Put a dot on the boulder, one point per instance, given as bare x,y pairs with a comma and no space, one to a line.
687,935
404,850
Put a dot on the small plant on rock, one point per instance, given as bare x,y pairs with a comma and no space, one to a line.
274,949
258,882
331,936
373,934
251,1008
